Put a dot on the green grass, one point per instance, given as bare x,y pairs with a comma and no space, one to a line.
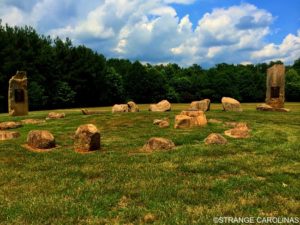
259,176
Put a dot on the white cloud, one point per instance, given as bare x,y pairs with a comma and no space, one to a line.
152,31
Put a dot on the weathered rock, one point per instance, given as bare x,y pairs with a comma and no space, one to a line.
55,115
214,121
18,95
162,106
157,121
183,121
87,138
188,119
164,124
9,125
215,138
32,121
40,139
7,135
118,108
241,130
158,143
230,104
266,107
132,107
203,105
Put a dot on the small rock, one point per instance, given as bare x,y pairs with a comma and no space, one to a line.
214,121
9,125
149,218
132,107
87,138
230,104
55,115
157,121
158,143
40,139
89,112
203,105
119,108
7,135
32,121
162,106
215,138
164,124
241,130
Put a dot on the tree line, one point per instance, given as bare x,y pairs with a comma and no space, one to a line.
62,75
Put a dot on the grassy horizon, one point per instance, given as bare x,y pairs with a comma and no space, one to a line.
191,184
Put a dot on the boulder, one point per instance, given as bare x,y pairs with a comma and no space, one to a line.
87,138
230,104
55,115
32,121
9,125
162,106
132,107
7,135
183,121
203,105
40,139
158,143
241,130
118,108
215,138
188,119
266,107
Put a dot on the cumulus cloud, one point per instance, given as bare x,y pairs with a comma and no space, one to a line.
152,31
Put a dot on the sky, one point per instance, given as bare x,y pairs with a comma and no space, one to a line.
205,32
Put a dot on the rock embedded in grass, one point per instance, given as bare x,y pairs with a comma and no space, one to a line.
231,104
55,115
241,130
162,106
215,138
7,135
40,139
9,125
214,121
266,107
32,121
162,123
158,143
87,138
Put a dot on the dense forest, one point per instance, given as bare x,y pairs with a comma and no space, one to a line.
62,75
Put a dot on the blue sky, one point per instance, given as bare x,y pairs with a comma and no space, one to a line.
205,32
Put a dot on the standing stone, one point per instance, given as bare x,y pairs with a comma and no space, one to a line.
87,138
230,104
40,139
18,95
132,107
162,106
275,94
203,105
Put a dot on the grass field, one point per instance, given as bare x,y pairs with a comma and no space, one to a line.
259,176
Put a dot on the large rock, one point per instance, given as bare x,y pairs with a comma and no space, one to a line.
241,130
87,138
188,119
132,107
215,138
162,106
158,143
230,104
203,105
55,115
9,125
118,108
7,135
266,107
18,95
40,139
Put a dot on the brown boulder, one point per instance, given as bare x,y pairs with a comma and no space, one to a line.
162,106
55,115
118,108
7,135
203,105
188,119
132,107
158,143
9,125
230,104
215,138
241,130
87,138
40,139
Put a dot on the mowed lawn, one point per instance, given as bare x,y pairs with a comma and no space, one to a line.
191,184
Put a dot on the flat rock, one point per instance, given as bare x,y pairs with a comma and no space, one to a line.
55,115
158,143
215,138
87,138
266,107
231,104
120,108
7,135
241,130
162,106
40,139
203,105
32,121
9,125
